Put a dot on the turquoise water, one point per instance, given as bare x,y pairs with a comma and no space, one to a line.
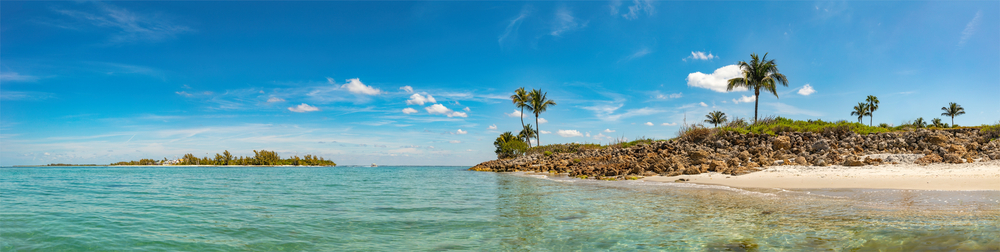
448,208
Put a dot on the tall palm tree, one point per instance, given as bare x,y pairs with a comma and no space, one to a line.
952,110
715,118
758,74
520,100
872,106
527,132
861,110
538,103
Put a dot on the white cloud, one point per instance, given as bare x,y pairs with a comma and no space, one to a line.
670,96
668,124
970,28
806,90
185,94
455,141
701,56
717,81
609,130
649,123
441,109
545,132
492,127
408,89
275,99
303,108
569,133
355,86
703,104
565,22
12,76
461,132
515,114
467,109
409,111
417,99
542,120
587,135
745,99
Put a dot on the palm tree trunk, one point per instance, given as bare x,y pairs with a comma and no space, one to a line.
953,121
756,99
522,126
538,137
870,119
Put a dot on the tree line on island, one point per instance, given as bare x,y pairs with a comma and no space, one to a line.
262,157
758,74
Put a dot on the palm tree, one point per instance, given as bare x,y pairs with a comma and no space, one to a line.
952,110
520,100
715,118
507,145
527,133
861,110
872,106
538,103
919,123
759,74
937,123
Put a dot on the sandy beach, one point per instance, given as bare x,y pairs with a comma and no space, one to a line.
939,176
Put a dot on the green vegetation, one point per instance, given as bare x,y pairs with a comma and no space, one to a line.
548,153
526,134
715,118
936,122
872,106
61,164
509,146
781,124
538,104
952,110
759,74
262,157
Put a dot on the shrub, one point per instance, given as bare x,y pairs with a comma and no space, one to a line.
508,146
695,133
775,125
548,153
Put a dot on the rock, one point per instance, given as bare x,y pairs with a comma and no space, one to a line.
937,139
820,145
853,161
929,158
782,143
953,158
699,157
820,162
718,166
801,161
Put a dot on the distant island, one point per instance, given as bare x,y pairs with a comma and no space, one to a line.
262,158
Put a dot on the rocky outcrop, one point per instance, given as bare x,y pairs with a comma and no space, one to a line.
734,153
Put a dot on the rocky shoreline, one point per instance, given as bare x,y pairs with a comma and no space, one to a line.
733,153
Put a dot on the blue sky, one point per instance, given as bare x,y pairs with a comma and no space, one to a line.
427,83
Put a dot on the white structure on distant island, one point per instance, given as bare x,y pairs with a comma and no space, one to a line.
374,165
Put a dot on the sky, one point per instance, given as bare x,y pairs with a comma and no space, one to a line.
428,83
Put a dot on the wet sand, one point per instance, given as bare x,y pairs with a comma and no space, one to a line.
947,177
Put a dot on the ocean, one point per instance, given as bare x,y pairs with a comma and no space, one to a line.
416,208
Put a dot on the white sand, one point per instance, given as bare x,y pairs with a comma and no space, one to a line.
950,177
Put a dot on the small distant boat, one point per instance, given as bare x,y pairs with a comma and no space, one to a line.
374,165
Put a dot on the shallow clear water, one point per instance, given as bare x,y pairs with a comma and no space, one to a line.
448,208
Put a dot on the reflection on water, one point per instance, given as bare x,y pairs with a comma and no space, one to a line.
447,208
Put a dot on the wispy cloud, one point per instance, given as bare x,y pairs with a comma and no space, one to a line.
701,56
24,96
668,96
970,28
407,89
130,26
638,7
492,127
12,77
409,111
442,110
717,81
302,108
638,54
275,99
745,99
607,112
782,108
564,21
511,31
